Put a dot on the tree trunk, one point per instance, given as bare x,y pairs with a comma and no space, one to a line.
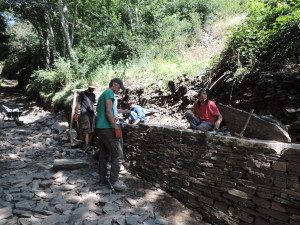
74,22
65,26
52,37
137,14
130,15
48,51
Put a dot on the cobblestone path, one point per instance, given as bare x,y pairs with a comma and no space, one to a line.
35,188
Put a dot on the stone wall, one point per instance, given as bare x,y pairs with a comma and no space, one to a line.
229,181
268,93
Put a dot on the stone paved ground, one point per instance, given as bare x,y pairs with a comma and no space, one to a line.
36,187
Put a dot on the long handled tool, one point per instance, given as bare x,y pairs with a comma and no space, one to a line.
73,108
108,181
245,126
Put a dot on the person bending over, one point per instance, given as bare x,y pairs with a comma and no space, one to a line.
137,113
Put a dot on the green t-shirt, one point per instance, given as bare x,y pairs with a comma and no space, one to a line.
102,119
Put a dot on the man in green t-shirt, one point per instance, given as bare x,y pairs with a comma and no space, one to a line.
109,135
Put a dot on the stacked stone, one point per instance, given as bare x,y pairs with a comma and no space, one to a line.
267,93
294,130
231,181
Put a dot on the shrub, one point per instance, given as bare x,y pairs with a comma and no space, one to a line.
270,35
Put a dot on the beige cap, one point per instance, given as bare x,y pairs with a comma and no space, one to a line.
92,85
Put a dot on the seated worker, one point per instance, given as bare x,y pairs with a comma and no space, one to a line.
205,115
137,113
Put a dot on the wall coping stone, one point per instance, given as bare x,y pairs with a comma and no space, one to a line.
288,151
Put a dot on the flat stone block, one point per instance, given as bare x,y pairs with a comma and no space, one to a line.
5,213
69,164
279,166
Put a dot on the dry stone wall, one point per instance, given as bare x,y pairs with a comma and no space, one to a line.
229,181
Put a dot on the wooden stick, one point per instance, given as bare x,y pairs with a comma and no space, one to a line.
73,108
246,124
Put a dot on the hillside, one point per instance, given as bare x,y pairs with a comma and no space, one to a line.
246,52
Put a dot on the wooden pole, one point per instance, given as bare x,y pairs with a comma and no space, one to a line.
73,108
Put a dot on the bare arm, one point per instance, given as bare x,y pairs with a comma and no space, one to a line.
77,107
219,120
137,121
109,113
123,111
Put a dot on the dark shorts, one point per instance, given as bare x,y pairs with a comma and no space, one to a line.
87,123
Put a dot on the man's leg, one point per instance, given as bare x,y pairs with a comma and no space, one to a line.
192,119
86,138
205,126
91,128
132,117
85,130
113,147
102,156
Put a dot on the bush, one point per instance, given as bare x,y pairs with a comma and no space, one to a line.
25,54
270,35
48,82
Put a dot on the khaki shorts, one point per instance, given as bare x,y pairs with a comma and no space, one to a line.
87,124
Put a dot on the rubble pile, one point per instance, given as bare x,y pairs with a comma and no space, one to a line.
166,107
270,95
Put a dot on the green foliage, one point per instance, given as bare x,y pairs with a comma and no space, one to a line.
239,74
49,81
150,70
64,96
270,35
25,54
4,38
224,9
136,40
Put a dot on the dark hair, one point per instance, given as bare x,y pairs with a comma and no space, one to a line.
205,92
131,101
117,81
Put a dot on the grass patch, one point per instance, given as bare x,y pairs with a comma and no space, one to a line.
146,71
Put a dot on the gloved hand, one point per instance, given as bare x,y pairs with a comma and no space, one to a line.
75,117
118,133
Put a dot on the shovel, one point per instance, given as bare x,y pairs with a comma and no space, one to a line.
245,126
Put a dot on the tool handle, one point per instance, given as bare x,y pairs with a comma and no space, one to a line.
110,185
73,109
248,119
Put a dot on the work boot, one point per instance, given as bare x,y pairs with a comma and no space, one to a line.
87,148
118,186
108,166
103,183
96,154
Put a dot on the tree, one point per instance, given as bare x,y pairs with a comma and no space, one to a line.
50,19
63,9
4,39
